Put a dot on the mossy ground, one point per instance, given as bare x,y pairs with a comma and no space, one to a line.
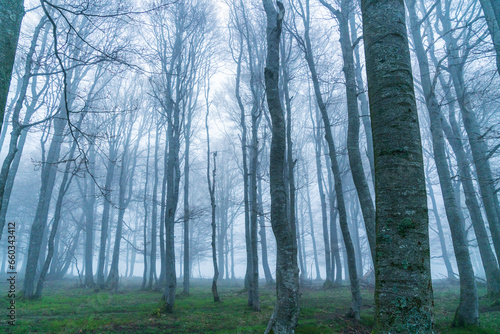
67,308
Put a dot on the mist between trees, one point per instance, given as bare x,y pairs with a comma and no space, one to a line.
339,141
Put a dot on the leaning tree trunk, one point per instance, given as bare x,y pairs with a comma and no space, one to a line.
287,309
17,127
403,291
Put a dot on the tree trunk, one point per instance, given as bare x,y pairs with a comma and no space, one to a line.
467,312
355,161
287,309
477,142
40,222
442,241
89,204
110,170
403,292
154,213
263,236
339,192
11,15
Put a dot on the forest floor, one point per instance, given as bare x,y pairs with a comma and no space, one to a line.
67,308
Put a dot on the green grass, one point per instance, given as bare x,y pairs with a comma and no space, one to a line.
67,308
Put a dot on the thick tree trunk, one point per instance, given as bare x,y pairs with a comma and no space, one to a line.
11,15
287,309
493,26
403,292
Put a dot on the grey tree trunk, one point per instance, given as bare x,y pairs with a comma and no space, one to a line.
355,162
334,240
311,222
146,212
11,15
477,142
245,176
65,183
154,213
444,251
287,309
467,312
187,256
263,236
403,292
110,170
40,221
17,127
324,219
493,25
339,192
89,204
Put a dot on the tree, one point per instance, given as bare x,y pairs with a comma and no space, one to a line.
467,312
11,15
286,312
403,292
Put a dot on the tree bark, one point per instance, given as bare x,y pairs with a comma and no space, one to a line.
287,309
403,292
11,15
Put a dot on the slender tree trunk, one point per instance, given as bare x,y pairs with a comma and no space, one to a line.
89,204
355,162
467,312
103,249
403,292
154,213
442,241
40,221
287,309
351,259
263,236
145,226
324,218
245,177
477,142
17,141
311,222
187,257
